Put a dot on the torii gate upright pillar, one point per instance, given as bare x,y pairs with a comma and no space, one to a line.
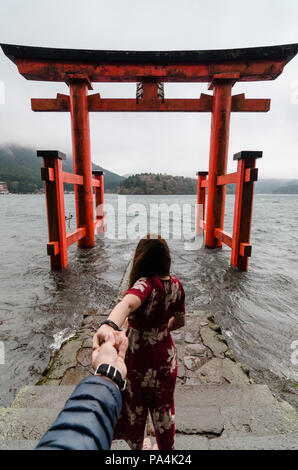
80,130
219,144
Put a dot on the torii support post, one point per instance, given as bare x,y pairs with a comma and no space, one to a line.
52,176
219,143
80,128
244,179
201,200
247,174
99,201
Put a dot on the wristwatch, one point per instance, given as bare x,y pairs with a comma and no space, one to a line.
106,370
110,323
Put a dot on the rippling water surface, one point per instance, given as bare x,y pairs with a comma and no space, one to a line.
257,309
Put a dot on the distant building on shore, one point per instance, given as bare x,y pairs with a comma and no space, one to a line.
3,187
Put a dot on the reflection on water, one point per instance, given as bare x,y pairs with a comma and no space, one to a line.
257,309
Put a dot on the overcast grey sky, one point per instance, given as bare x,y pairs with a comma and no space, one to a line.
165,142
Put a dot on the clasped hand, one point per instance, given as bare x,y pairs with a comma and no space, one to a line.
109,347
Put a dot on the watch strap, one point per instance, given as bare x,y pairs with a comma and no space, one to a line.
106,370
110,323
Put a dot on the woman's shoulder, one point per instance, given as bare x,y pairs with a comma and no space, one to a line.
177,283
141,288
175,279
155,282
141,282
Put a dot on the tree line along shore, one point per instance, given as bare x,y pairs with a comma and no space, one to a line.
20,170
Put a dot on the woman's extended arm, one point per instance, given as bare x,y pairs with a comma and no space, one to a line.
118,315
120,312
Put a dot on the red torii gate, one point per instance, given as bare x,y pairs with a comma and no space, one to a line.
220,68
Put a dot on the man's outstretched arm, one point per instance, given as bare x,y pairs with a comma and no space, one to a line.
89,416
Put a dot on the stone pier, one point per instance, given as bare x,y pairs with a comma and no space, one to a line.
217,405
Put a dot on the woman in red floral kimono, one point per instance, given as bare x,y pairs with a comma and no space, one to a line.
154,306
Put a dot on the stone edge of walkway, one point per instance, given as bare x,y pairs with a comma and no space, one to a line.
72,361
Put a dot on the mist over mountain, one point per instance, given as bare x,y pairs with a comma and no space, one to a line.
152,183
20,168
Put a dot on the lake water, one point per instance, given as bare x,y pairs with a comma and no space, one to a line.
257,309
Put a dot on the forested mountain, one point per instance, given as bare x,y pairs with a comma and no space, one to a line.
291,187
150,183
20,168
277,186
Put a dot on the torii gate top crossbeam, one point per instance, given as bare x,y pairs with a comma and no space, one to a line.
245,64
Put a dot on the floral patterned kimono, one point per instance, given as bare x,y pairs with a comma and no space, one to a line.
151,363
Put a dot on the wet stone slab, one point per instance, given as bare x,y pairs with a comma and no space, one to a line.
193,363
200,349
74,375
211,340
205,354
72,362
197,349
84,357
199,420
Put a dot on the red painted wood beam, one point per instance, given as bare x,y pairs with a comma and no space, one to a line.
226,76
52,175
204,183
97,104
251,174
72,179
201,199
242,104
245,250
247,174
75,236
218,159
227,179
59,71
80,129
95,183
203,104
53,248
59,104
224,237
47,174
99,225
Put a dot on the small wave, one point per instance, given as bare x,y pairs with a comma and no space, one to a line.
127,256
228,333
60,337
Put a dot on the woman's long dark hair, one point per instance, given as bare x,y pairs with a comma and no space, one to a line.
152,258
